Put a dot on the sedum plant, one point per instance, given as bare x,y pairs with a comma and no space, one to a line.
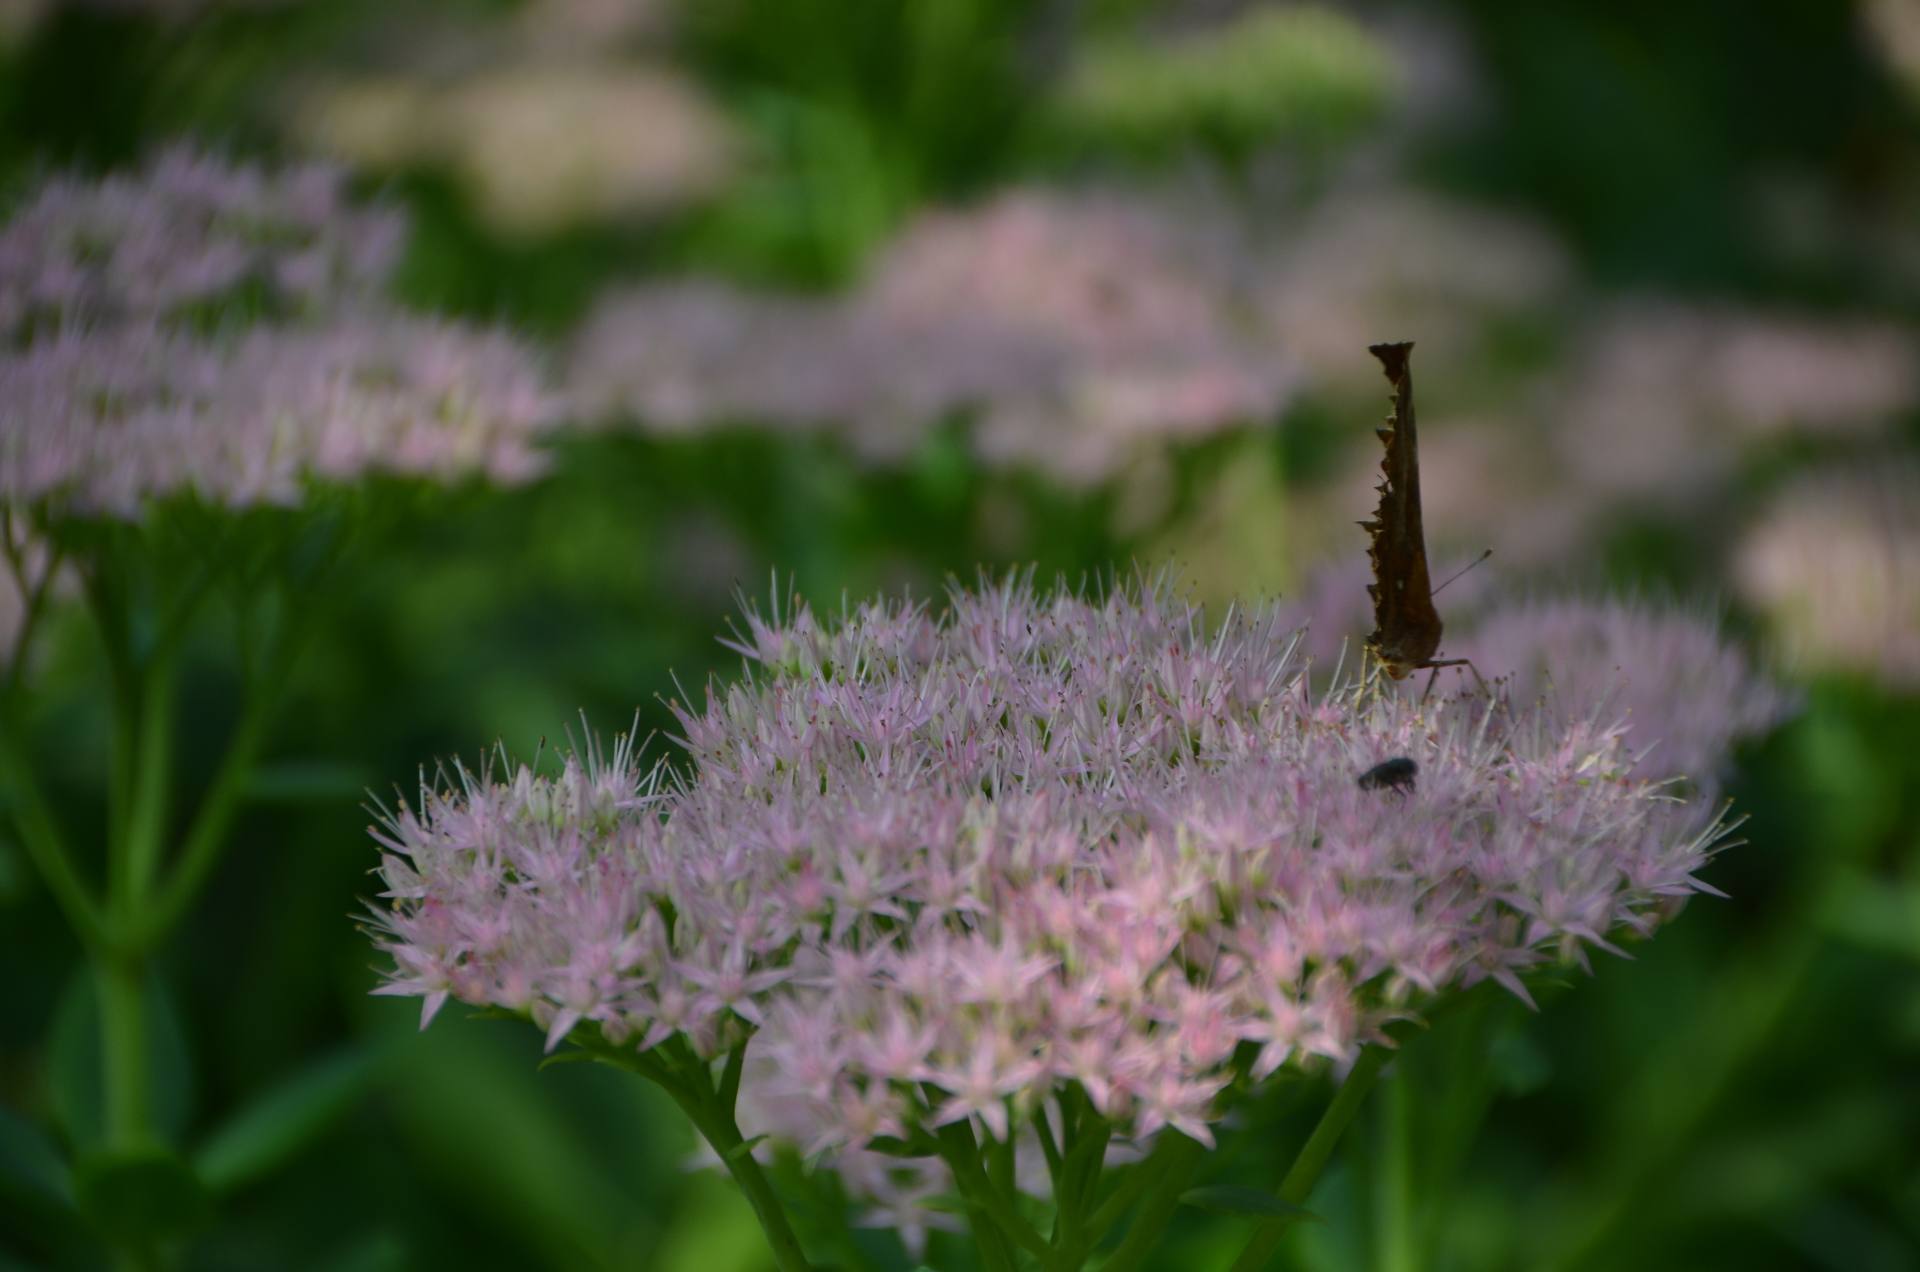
999,913
204,403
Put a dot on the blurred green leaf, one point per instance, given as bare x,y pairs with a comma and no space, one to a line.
29,1163
1880,914
472,1103
1248,1203
284,1120
141,1196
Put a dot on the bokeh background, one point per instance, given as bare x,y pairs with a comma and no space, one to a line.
858,295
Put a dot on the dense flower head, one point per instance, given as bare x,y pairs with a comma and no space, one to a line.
189,229
1071,330
95,421
938,866
1682,694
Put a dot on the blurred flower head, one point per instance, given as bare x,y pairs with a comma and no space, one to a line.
1071,331
1375,262
1835,565
1298,73
190,231
1680,690
937,867
1662,398
541,143
96,421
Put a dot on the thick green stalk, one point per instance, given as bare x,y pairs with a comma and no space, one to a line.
119,985
1398,1248
723,1134
1314,1155
996,1225
1165,1175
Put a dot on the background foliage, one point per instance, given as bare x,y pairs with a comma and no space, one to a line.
1745,1093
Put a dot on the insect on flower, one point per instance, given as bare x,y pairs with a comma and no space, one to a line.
1406,626
1394,774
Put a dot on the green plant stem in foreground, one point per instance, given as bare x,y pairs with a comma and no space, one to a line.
688,1081
119,987
1314,1155
1396,1246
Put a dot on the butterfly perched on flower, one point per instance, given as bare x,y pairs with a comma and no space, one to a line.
1406,626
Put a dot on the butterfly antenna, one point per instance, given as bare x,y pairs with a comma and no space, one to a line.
1462,570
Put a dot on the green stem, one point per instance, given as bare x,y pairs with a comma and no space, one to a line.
40,835
1166,1174
685,1078
151,782
995,1222
1394,1219
207,834
723,1133
1314,1155
33,599
119,985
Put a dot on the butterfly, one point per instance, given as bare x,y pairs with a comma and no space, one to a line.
1406,626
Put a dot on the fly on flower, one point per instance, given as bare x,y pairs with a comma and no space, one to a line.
1396,774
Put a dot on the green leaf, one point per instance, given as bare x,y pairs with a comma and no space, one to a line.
564,1057
75,1064
741,1149
1249,1203
278,1124
140,1196
29,1163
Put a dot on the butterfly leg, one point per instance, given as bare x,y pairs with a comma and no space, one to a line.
1457,662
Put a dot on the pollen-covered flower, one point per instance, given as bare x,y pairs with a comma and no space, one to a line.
185,231
98,420
934,868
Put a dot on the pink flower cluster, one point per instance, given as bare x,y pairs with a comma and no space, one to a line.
189,229
937,867
1072,330
101,420
135,364
1681,693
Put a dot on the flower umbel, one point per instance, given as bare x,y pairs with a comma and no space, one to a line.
943,868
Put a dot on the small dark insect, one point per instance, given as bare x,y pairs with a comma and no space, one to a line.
1394,774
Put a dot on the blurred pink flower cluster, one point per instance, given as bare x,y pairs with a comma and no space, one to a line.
142,365
937,867
1834,563
99,421
1662,398
1072,330
189,229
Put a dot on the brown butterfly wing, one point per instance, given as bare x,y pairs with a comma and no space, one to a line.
1406,626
